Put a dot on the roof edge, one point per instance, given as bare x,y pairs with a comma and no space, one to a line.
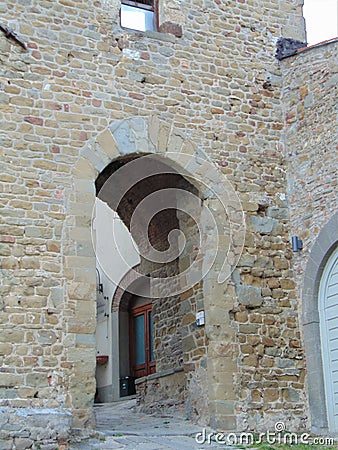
287,47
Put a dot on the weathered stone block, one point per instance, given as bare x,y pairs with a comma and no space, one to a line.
247,260
9,263
248,328
11,379
250,296
56,296
290,395
263,225
5,349
30,262
285,362
22,443
271,395
81,291
47,337
12,336
6,444
37,379
278,213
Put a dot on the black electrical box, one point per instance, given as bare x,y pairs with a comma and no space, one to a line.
127,386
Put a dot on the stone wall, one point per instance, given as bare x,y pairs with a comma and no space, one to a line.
21,428
310,94
164,393
310,88
219,85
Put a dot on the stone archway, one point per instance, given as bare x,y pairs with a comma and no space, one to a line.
153,136
323,247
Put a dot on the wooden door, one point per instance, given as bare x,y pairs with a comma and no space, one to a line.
141,341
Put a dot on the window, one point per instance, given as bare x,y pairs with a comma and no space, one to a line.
138,15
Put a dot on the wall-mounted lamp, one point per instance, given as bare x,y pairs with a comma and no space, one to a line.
297,244
99,284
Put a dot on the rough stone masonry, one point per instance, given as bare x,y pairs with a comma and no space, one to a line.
217,85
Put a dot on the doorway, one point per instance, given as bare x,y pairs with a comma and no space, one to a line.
142,359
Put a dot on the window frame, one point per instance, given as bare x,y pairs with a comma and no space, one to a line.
138,5
144,6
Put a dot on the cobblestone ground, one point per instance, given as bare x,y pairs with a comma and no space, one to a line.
120,427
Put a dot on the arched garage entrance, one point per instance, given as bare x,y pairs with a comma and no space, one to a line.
328,315
320,313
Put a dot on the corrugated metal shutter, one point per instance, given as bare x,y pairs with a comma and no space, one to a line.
328,310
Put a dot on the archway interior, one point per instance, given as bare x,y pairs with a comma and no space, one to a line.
177,344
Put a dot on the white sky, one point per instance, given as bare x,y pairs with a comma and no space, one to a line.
321,20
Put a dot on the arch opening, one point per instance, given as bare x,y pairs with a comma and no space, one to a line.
154,344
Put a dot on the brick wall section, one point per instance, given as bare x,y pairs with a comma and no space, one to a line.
220,84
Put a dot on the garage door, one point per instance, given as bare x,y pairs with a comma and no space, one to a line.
328,312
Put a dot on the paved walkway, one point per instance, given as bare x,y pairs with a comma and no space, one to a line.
120,427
